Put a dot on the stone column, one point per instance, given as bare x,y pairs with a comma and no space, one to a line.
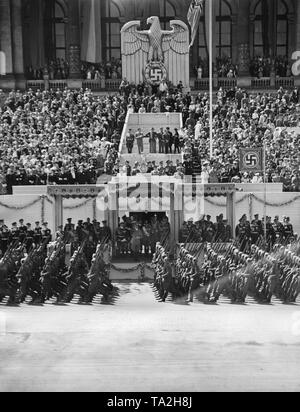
231,202
17,43
297,26
58,211
243,35
5,35
74,40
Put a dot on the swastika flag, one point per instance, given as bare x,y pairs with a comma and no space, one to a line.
252,160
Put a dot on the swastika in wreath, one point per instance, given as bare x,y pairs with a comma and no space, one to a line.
155,73
251,160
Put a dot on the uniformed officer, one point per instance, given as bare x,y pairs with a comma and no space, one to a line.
243,232
228,232
288,230
46,233
5,238
22,230
29,237
79,231
209,230
161,142
37,233
69,231
278,228
130,141
220,229
122,238
15,232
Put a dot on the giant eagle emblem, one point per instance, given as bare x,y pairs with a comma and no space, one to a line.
155,41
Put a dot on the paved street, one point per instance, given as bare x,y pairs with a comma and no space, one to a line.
138,344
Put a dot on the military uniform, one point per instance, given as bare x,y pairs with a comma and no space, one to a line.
29,238
46,234
105,232
5,238
255,232
130,142
22,232
288,230
15,233
37,234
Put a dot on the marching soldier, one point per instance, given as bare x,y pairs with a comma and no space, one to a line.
105,232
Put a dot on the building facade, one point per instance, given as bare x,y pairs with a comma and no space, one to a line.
36,32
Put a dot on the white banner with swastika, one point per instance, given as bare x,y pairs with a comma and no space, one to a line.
252,160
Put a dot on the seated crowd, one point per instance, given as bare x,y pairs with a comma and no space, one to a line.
70,136
58,137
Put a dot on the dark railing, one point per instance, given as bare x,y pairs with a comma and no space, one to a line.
227,83
285,82
58,84
202,84
112,84
94,85
36,85
264,83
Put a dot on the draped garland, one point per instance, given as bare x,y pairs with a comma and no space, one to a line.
140,267
28,205
78,206
43,199
287,203
254,197
213,203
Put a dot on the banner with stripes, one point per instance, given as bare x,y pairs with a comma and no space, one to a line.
194,15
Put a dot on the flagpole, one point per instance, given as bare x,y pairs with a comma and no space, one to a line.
210,3
265,194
